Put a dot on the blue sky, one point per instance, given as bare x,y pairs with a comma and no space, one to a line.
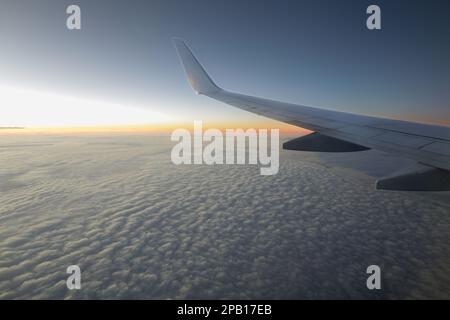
316,53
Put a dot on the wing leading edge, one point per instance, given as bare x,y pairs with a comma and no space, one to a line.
429,145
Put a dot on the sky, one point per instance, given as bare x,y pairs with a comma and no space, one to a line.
316,53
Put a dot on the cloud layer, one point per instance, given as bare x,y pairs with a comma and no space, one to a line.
140,227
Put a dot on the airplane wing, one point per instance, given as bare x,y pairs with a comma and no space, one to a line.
334,131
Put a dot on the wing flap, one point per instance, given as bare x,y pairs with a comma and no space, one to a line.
402,139
439,148
417,178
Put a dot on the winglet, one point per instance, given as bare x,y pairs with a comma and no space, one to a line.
196,75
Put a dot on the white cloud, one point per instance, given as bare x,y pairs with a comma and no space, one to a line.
140,227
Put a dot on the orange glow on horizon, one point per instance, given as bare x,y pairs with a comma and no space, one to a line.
158,129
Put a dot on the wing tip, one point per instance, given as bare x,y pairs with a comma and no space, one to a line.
197,77
178,40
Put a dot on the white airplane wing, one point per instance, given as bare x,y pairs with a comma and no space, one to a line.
428,145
